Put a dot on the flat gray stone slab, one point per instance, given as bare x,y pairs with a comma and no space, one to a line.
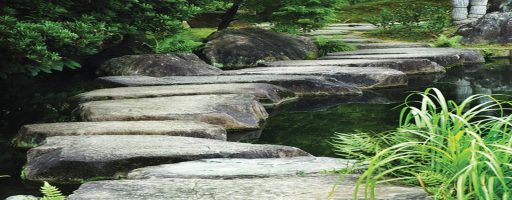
282,188
350,25
225,168
361,77
349,28
408,66
359,40
32,135
442,56
72,158
327,32
300,84
265,93
232,111
390,45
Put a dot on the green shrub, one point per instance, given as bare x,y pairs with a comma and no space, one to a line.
303,15
454,151
444,41
326,45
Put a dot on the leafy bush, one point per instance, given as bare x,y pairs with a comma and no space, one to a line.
452,150
40,36
326,45
303,15
444,41
411,22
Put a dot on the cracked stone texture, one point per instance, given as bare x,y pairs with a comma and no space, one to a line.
300,84
362,77
232,111
73,158
225,168
282,188
265,93
408,66
30,135
443,56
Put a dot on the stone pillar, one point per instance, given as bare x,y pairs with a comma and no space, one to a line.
460,11
478,9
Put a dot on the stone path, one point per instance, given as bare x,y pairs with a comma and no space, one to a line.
167,136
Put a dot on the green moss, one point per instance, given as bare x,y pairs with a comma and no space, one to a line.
23,174
199,34
311,56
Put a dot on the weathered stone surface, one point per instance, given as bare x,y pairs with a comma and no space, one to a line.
177,64
326,32
408,66
224,168
265,93
30,135
71,158
359,40
390,45
232,111
283,188
300,84
442,56
364,77
349,28
22,197
239,48
494,27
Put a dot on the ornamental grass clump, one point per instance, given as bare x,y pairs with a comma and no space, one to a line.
451,150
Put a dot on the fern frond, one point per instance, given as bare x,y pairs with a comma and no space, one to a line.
51,192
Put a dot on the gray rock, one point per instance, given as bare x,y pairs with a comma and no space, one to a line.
300,84
246,47
177,64
494,27
224,168
408,66
232,111
361,77
22,197
359,40
390,45
326,32
74,158
283,188
34,134
443,56
265,93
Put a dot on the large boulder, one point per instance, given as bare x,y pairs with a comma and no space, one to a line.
247,47
176,64
494,27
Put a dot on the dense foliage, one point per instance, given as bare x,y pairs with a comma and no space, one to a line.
411,22
454,151
41,36
304,15
326,45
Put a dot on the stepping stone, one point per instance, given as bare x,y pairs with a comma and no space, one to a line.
232,111
350,25
282,188
349,28
391,45
266,93
412,66
442,56
326,32
34,134
229,168
361,77
300,84
359,40
74,158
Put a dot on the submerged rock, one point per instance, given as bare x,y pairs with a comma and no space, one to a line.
265,93
283,188
299,84
175,64
34,134
494,27
228,168
232,111
75,158
246,47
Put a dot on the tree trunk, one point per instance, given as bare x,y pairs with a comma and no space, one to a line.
230,14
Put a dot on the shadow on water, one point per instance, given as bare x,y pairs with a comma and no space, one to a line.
308,124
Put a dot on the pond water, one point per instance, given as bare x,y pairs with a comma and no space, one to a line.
308,124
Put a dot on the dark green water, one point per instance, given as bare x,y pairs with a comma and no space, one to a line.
308,124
